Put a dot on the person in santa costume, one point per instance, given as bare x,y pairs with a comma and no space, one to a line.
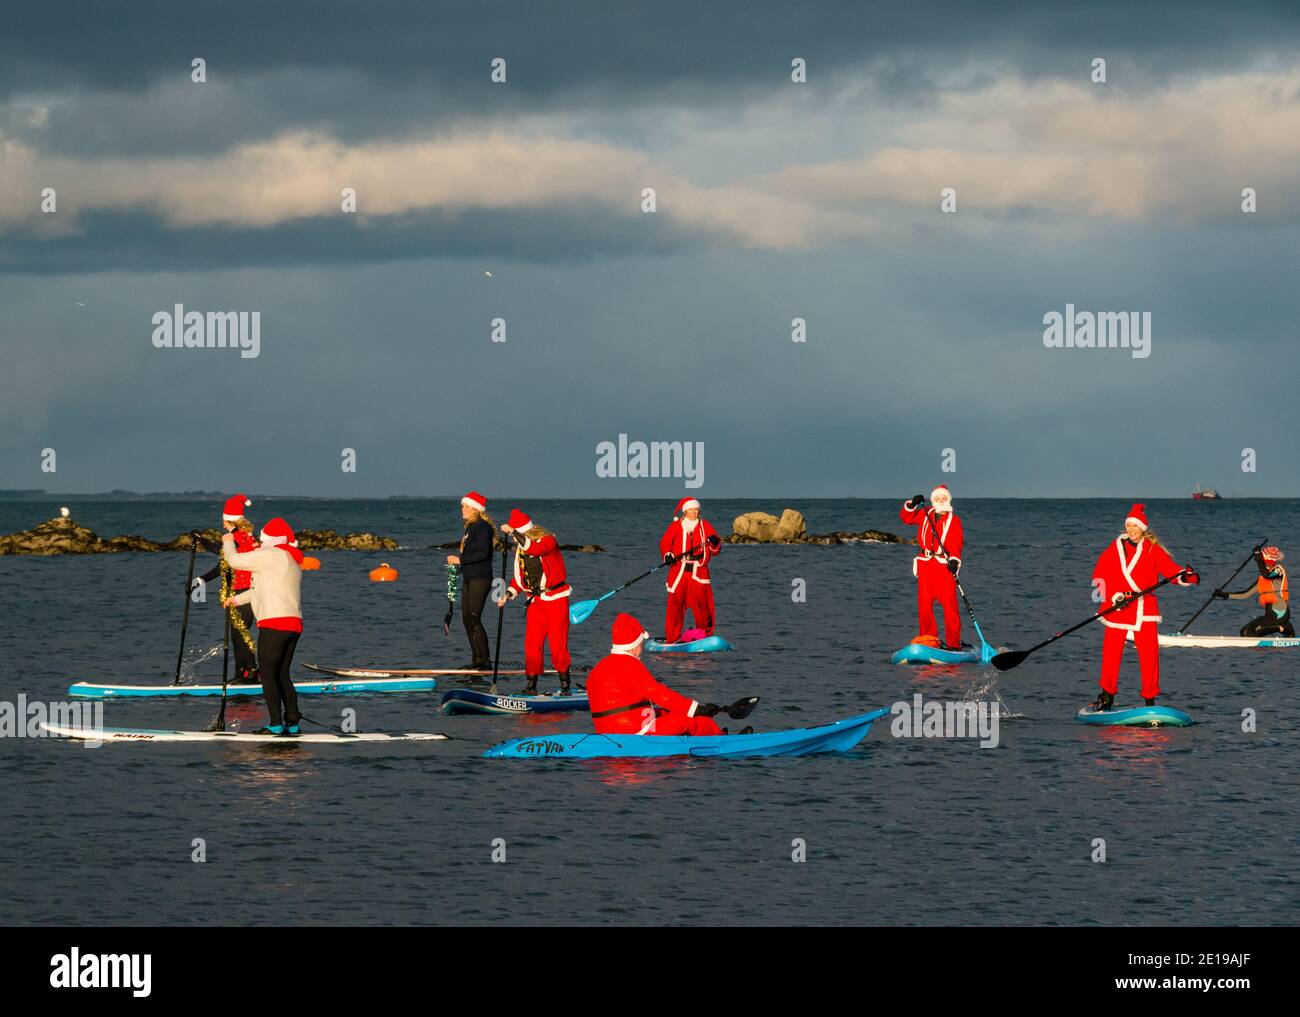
625,698
276,599
687,546
1134,562
1274,595
539,575
475,561
238,525
939,534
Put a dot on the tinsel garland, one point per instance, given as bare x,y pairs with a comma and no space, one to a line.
236,619
453,572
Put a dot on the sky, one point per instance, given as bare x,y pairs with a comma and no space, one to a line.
522,201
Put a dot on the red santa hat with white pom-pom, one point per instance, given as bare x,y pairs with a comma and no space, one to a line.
686,503
475,501
1137,514
233,510
627,634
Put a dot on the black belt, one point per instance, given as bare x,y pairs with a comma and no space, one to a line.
622,709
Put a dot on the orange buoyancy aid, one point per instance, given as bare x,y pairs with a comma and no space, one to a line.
1274,589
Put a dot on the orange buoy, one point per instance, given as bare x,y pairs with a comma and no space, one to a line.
310,564
384,574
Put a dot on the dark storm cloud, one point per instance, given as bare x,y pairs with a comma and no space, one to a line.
391,65
556,234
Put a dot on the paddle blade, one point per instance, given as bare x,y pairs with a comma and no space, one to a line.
741,708
581,611
1011,658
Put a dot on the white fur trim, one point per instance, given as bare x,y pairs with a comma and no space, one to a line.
1136,520
690,505
695,705
467,500
629,647
271,540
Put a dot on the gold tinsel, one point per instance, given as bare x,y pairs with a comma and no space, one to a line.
236,619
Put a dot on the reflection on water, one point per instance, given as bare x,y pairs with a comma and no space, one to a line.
1138,751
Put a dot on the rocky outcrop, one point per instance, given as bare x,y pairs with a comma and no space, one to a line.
764,528
64,536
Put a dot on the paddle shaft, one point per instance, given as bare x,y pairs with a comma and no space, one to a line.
185,616
501,610
634,579
1101,614
220,723
1224,584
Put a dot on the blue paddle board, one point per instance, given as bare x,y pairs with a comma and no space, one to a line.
919,653
709,644
470,701
1136,716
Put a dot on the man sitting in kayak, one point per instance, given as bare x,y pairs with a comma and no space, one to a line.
1274,596
626,699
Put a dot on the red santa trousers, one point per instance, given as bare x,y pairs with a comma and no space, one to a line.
1148,648
699,598
547,621
935,582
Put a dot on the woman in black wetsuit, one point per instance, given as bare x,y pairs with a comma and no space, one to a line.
475,561
1274,595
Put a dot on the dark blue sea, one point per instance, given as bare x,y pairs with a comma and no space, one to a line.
1199,823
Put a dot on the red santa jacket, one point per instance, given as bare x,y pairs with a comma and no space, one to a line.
949,533
624,695
677,541
1126,568
554,582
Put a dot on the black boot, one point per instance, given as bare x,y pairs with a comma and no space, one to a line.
531,688
1151,701
566,687
1104,701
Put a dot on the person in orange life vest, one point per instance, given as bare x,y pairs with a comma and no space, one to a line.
624,697
1274,596
688,545
539,575
939,534
1135,561
237,524
276,597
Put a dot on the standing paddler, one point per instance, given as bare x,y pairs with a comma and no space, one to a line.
625,698
276,599
475,561
939,534
687,546
238,526
539,575
1274,596
1134,562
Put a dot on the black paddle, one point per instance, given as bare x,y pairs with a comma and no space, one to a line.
741,708
1224,585
185,617
219,723
1006,661
501,610
581,611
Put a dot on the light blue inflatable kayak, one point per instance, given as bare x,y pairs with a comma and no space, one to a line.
1136,716
334,687
838,737
920,653
709,644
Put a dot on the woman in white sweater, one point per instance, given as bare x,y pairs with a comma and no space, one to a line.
275,597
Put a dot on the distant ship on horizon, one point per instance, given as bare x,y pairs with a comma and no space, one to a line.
1205,494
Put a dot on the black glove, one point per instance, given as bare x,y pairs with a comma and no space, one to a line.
953,565
707,709
715,541
1221,594
669,559
915,502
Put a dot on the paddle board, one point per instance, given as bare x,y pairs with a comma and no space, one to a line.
920,653
1136,716
1230,642
709,644
304,687
129,734
470,701
417,672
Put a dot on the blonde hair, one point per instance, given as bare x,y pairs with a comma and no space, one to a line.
538,532
243,523
480,516
1153,537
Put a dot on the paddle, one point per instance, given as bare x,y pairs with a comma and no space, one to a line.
741,708
581,611
986,651
496,657
219,722
1224,585
452,572
185,617
1006,661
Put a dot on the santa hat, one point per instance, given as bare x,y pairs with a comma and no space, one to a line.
686,503
233,510
1272,554
627,634
940,494
475,501
1137,514
519,521
277,532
